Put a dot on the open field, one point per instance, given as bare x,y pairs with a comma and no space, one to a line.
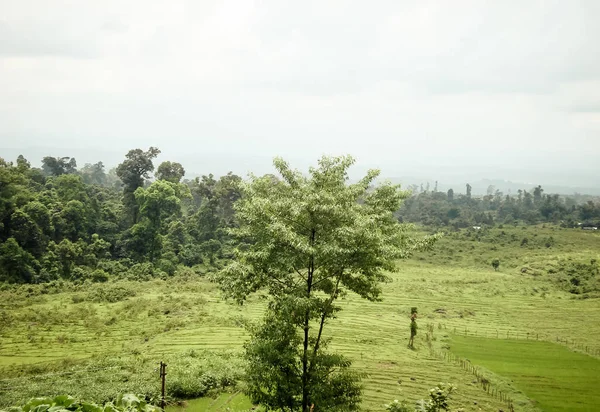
557,378
58,329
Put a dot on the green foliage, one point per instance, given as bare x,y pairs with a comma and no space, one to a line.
307,241
157,203
132,172
274,369
69,224
452,285
439,400
170,171
110,293
578,277
65,403
462,211
398,406
199,373
16,264
56,166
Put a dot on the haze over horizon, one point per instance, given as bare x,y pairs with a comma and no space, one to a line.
454,91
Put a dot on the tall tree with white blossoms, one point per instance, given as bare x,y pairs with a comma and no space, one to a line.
307,241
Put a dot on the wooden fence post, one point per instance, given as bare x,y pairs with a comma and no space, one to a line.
163,375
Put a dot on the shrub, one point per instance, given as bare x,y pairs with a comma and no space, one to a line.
141,271
110,293
439,400
194,374
127,402
113,267
191,255
578,277
167,266
397,406
99,275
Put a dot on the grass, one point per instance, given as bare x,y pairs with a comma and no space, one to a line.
221,403
557,378
43,330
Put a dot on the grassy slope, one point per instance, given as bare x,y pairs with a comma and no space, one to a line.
561,380
167,317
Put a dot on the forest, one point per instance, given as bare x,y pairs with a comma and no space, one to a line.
59,221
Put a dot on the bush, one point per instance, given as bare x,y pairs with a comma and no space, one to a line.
166,266
191,255
113,267
578,277
194,374
439,400
99,275
127,402
110,293
141,271
397,406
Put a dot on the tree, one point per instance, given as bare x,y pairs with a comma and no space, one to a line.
450,195
538,194
23,164
308,240
227,191
56,166
170,171
469,188
160,201
132,172
16,264
496,264
93,174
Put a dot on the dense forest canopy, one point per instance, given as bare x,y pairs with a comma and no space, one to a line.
64,222
59,221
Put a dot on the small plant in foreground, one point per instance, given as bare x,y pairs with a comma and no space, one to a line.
439,400
64,403
398,406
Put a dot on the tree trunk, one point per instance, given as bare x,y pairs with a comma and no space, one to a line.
322,323
305,372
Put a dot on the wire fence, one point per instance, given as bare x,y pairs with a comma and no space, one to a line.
485,382
508,333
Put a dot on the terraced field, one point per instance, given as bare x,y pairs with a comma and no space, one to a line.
454,289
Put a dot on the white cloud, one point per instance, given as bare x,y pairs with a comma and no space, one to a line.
412,84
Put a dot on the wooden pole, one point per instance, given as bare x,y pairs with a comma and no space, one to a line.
163,375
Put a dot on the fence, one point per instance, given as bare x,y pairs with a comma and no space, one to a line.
486,384
591,350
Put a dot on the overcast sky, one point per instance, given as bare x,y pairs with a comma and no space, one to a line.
437,88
